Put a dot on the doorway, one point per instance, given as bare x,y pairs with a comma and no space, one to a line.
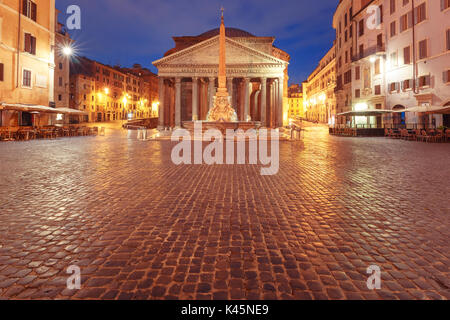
446,120
27,119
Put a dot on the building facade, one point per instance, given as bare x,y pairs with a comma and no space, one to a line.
369,86
257,78
27,42
295,101
112,93
345,33
418,62
62,66
392,61
319,91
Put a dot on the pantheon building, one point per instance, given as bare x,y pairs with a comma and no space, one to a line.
257,78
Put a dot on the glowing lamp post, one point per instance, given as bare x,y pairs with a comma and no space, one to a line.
155,107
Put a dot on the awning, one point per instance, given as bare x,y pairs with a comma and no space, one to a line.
38,108
71,111
427,109
365,113
27,107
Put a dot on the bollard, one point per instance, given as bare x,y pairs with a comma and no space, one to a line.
102,131
144,134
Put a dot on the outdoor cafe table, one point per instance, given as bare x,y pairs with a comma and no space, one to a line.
27,132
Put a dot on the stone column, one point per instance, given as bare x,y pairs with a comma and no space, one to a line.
257,114
280,114
275,103
194,98
264,101
177,102
211,93
161,104
272,102
246,98
230,88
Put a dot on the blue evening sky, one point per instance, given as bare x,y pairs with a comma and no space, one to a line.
140,31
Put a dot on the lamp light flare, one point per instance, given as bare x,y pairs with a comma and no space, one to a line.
67,51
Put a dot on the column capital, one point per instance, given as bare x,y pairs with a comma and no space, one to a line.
177,80
195,78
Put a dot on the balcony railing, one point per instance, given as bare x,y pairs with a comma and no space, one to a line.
369,52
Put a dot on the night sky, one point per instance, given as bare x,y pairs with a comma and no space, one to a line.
140,31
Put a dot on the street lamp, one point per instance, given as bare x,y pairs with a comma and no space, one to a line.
124,101
155,106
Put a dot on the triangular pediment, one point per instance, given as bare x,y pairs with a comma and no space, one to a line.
207,53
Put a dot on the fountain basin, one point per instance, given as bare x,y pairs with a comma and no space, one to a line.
222,126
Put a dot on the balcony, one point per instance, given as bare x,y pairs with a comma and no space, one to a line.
377,50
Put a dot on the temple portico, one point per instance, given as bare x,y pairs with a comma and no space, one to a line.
190,99
256,78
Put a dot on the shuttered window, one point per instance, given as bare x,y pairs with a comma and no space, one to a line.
377,90
377,66
407,55
2,72
403,22
423,49
424,81
446,76
29,9
407,84
361,28
393,29
394,86
33,11
392,6
26,81
380,18
448,39
445,4
30,43
420,13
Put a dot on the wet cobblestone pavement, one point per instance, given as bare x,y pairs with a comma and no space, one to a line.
140,227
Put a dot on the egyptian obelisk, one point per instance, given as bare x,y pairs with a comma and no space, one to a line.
222,111
222,90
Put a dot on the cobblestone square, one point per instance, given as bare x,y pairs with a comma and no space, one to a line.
140,227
